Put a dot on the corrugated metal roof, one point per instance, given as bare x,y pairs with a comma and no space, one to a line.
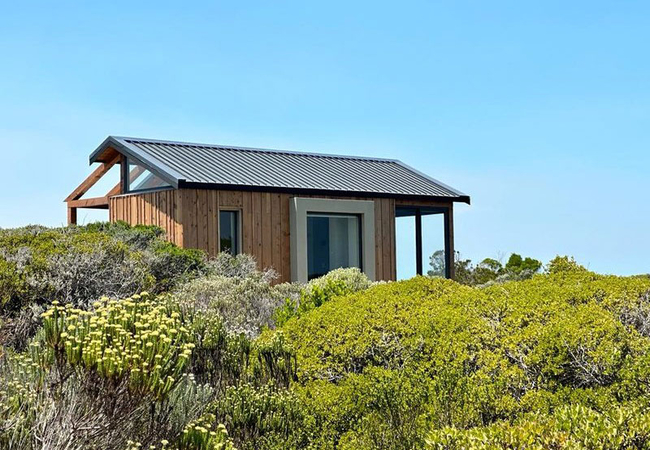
185,164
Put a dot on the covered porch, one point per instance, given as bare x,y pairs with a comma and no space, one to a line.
416,223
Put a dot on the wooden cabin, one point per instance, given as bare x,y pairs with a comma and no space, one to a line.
301,213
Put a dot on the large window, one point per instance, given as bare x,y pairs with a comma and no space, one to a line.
333,241
327,233
229,232
141,179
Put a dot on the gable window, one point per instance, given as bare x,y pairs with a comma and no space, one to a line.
327,234
333,241
229,235
142,179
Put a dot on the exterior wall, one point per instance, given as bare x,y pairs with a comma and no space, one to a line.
191,219
161,208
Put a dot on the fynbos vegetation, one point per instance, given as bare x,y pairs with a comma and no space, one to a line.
182,352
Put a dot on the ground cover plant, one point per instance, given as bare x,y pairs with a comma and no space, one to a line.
212,354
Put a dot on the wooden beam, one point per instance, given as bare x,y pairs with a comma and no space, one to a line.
450,270
72,216
91,180
95,202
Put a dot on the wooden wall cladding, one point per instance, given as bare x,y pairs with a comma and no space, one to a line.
161,208
190,218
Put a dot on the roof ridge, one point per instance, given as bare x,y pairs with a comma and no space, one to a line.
255,149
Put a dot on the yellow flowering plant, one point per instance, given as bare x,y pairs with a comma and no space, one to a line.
141,338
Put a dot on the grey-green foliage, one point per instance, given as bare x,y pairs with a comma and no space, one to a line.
243,297
78,265
338,282
485,272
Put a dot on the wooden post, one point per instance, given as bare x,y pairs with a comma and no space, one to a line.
72,215
450,271
418,241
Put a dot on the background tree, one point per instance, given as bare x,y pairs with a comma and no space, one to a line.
487,271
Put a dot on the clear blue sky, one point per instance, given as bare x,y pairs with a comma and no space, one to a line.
539,110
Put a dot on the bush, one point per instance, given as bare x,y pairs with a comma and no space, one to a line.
91,379
623,427
382,367
81,264
338,282
241,296
78,265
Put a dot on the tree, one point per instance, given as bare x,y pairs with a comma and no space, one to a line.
437,263
517,265
561,264
487,271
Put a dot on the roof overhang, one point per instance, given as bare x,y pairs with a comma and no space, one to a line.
112,145
462,198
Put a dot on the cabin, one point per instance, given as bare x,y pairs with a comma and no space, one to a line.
303,214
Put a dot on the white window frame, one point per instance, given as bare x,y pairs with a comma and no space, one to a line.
301,206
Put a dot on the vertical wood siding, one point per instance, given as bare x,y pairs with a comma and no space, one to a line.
161,208
190,218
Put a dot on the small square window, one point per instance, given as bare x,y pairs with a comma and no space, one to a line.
229,232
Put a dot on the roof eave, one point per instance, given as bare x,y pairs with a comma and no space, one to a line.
183,184
146,160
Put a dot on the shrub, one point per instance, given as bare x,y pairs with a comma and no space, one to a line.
338,282
138,339
80,264
561,264
428,354
622,427
242,297
93,379
262,417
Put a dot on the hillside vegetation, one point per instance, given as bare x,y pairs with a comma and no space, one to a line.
114,339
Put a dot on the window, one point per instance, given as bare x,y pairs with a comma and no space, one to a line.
229,232
333,241
327,233
141,179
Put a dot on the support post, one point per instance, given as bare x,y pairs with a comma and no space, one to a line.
72,215
449,243
124,174
418,241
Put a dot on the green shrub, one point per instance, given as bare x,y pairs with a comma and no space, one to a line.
570,427
338,282
244,304
81,264
93,379
466,358
262,417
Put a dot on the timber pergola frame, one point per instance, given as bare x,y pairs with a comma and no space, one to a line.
74,200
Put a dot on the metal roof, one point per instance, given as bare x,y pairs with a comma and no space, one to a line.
219,166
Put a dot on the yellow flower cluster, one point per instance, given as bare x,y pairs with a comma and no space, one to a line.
199,435
139,337
21,388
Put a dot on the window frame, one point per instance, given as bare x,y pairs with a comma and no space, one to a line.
238,228
329,215
126,177
301,206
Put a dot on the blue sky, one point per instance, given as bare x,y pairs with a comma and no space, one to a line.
539,110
